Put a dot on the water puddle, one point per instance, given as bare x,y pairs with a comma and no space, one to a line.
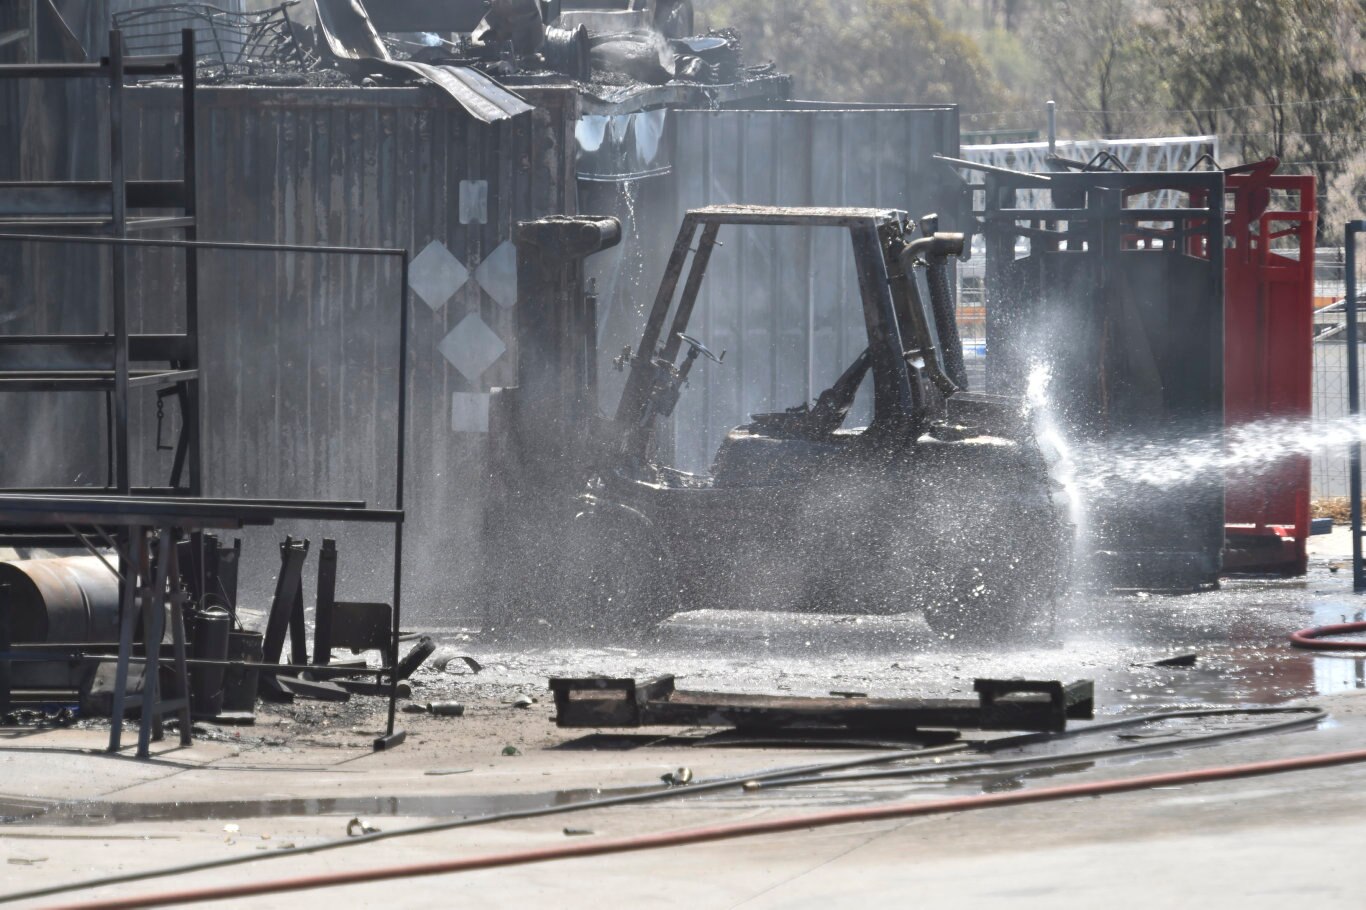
417,806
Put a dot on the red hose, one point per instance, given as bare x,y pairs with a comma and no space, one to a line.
1310,638
723,832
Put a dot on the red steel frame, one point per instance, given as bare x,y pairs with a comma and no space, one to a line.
1268,358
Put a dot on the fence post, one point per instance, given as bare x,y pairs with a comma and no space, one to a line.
1354,400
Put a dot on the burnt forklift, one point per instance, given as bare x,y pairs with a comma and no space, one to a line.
944,503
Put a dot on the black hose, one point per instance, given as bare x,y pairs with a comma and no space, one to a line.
667,792
785,777
1311,716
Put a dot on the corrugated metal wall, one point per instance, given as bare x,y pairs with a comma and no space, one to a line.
300,352
783,302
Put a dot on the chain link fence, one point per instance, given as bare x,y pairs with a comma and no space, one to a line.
1329,474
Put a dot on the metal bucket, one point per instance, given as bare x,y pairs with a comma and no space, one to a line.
239,683
68,600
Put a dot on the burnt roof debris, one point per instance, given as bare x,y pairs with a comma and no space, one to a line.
229,45
476,51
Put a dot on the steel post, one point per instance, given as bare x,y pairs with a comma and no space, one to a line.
1354,401
119,259
189,411
391,737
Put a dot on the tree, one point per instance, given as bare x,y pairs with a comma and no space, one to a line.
863,50
1272,78
1092,51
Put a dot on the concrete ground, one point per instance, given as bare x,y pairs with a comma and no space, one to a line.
303,772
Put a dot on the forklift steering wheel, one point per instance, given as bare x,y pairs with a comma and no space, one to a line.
698,346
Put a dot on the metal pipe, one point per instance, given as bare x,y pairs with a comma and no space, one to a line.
72,598
189,204
117,509
1052,107
1354,401
119,262
389,737
1040,179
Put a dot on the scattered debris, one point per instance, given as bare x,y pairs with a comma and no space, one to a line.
415,658
443,772
578,832
511,751
358,828
1180,660
249,47
446,709
523,701
678,778
35,860
446,662
307,688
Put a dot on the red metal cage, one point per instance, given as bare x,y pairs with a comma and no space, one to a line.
1268,358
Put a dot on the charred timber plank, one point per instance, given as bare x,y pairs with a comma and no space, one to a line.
1000,705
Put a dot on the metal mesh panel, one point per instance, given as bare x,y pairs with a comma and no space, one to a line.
1329,477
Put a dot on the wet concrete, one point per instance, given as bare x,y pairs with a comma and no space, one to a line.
451,767
1239,635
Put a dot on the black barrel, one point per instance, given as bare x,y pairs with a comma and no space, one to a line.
211,629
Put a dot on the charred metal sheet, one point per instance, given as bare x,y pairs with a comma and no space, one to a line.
351,38
1015,704
484,99
347,32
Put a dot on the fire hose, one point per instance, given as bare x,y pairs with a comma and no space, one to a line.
1313,638
711,833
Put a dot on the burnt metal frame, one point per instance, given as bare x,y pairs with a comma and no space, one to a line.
257,36
83,363
895,391
30,510
1350,239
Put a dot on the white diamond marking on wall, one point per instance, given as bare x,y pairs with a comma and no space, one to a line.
497,274
472,347
469,412
435,275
